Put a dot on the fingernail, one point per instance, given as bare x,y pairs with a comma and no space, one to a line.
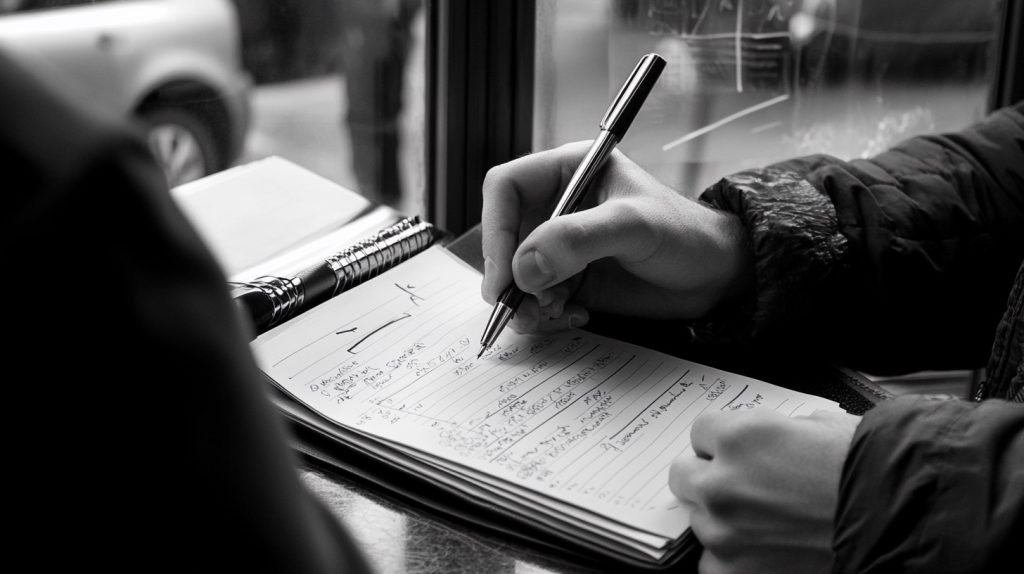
486,287
535,271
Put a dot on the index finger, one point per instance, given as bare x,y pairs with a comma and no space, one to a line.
517,196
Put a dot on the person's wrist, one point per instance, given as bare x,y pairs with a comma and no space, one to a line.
732,287
735,279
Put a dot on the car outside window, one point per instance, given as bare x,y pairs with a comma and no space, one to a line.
173,67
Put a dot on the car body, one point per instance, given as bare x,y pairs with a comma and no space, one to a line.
173,65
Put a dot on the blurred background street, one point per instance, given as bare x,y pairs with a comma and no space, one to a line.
826,88
302,120
337,86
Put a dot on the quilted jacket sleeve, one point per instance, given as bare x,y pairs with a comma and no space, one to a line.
896,263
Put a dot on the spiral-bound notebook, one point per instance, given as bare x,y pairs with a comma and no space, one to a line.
295,222
270,300
562,441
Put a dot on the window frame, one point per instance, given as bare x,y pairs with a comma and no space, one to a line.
1008,79
480,64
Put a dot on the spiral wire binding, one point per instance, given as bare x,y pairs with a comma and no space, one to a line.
354,265
286,296
381,252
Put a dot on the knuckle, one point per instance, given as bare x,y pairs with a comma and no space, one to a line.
494,177
643,225
711,491
681,478
631,212
731,439
575,234
624,211
743,430
717,537
718,494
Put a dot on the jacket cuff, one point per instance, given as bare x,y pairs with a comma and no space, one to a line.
797,246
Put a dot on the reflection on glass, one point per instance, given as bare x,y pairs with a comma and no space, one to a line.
755,81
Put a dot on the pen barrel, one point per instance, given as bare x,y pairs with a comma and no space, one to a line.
631,96
512,296
504,309
270,301
253,303
584,174
317,284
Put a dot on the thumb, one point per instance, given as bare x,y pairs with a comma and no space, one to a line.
563,246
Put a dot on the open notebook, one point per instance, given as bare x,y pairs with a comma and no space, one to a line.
562,441
572,431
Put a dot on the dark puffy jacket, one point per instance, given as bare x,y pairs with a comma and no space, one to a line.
903,262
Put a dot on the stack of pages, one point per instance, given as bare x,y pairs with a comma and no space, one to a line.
571,431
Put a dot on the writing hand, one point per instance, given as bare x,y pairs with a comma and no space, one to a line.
647,250
763,488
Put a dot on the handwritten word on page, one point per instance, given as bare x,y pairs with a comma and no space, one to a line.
573,424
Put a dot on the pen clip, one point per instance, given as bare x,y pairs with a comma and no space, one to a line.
631,96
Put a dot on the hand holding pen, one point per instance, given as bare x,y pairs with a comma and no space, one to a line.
642,250
613,127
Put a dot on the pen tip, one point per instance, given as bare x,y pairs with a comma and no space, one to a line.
481,353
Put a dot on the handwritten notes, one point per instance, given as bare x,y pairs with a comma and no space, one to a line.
576,428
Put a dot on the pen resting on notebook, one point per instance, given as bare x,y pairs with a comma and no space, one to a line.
270,301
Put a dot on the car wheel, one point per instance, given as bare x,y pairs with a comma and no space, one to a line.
182,143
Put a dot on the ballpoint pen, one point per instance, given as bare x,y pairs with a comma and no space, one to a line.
612,128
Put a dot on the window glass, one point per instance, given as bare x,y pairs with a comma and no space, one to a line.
749,82
336,86
339,90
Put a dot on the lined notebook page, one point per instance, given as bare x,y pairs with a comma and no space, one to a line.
575,425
